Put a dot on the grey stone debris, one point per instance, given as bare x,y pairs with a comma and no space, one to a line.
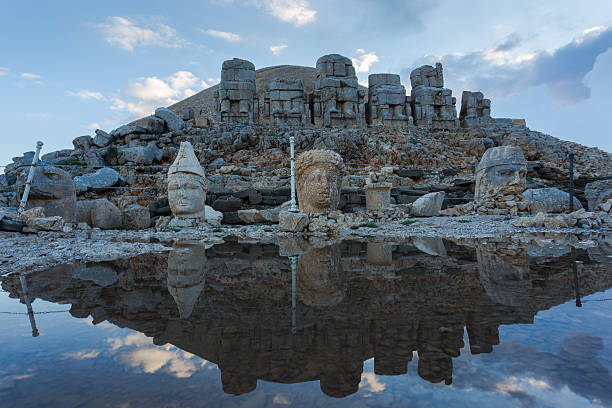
102,138
99,213
337,99
100,180
549,200
173,121
136,217
428,205
82,143
292,221
236,99
286,103
432,104
125,130
475,110
387,101
141,154
153,124
598,192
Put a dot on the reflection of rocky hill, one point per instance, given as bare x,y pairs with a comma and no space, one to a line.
353,302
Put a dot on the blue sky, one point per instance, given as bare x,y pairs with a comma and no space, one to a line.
67,67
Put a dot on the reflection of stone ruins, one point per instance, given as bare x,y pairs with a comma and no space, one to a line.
318,180
502,170
338,100
187,186
186,275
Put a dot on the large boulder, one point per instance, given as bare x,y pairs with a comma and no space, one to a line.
213,216
152,124
174,122
53,189
125,130
99,213
141,154
102,138
136,217
98,181
293,221
428,205
549,200
598,192
82,143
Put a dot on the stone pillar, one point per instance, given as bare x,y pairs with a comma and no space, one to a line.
387,101
475,109
432,105
236,97
286,103
378,196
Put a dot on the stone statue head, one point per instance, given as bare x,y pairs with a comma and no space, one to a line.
186,275
187,185
53,189
318,176
502,170
320,280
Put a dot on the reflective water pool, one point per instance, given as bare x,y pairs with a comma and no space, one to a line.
426,322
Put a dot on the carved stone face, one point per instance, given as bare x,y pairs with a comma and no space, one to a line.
53,189
186,195
319,181
502,170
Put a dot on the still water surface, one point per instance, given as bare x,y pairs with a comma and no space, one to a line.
427,323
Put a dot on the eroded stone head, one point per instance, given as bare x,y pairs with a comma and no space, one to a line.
319,180
502,170
53,189
187,185
320,281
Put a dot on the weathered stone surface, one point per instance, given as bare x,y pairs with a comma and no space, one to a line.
428,205
379,253
430,245
378,196
227,204
82,143
104,214
549,200
434,108
141,154
427,75
187,185
99,274
598,192
136,217
152,124
100,180
292,221
387,101
125,130
235,99
55,223
337,98
286,103
173,121
53,189
502,170
213,216
318,180
252,216
102,138
475,109
321,280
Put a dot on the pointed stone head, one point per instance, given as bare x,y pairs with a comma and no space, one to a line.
502,170
318,176
187,185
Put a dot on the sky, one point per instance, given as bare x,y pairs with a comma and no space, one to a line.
69,67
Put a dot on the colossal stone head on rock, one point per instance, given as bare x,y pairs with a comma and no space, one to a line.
187,185
502,170
320,280
53,189
186,275
318,180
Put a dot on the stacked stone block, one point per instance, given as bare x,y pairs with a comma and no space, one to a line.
432,105
286,103
236,99
475,110
387,101
337,99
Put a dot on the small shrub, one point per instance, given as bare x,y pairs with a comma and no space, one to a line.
409,222
217,229
70,162
11,179
364,225
463,221
414,141
262,224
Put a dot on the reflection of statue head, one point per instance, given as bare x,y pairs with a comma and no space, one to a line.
435,367
187,185
505,279
320,281
53,189
237,383
318,180
186,275
502,170
341,379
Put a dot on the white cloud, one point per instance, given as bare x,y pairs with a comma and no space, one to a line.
82,355
125,34
296,12
371,383
364,62
224,35
141,97
28,75
3,71
84,94
277,49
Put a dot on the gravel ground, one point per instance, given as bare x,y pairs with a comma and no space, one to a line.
32,252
